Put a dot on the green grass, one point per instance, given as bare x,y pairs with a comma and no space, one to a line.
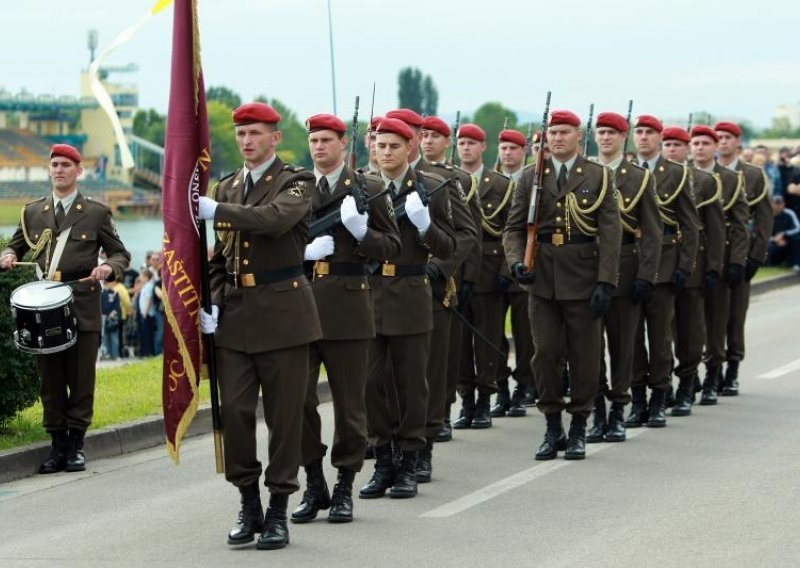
9,212
122,394
770,272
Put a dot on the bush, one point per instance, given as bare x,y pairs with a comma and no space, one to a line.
19,381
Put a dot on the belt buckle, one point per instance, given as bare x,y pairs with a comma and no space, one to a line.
638,233
322,268
558,239
248,280
388,269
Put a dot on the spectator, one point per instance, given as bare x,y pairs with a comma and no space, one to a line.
129,278
112,319
771,169
747,155
792,184
785,243
156,263
146,314
785,169
125,311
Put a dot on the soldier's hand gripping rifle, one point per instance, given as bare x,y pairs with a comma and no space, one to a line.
588,131
538,182
331,216
399,202
454,142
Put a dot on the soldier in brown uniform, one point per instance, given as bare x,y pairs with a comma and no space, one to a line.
756,189
267,318
640,254
86,227
403,314
371,166
344,302
577,263
689,328
652,363
717,302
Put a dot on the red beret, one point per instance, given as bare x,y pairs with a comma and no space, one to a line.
395,126
676,133
472,131
66,151
255,112
649,121
564,117
729,127
537,136
437,125
513,136
325,122
376,120
703,130
406,115
612,120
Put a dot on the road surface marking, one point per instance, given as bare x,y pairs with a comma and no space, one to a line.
780,371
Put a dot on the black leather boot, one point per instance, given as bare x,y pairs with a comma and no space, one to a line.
709,396
565,380
382,477
576,444
57,460
555,440
76,460
342,499
517,407
638,414
369,453
503,401
615,432
405,479
483,416
446,431
251,517
464,419
276,531
424,467
730,387
669,397
531,396
316,496
599,424
657,412
684,397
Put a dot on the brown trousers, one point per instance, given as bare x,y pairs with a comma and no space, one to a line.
281,376
517,302
457,352
67,384
464,371
717,309
346,365
489,311
565,329
737,314
652,360
621,322
689,330
397,367
437,371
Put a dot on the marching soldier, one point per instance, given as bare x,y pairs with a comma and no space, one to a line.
577,263
261,217
65,231
344,301
652,364
640,254
717,303
403,314
369,142
689,314
756,190
512,150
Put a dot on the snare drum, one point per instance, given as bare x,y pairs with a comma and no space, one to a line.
44,316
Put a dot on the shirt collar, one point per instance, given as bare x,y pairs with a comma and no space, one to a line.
709,169
569,163
66,201
415,162
613,164
333,177
515,175
258,171
734,165
398,181
649,164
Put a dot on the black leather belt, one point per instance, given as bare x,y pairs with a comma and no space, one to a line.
491,239
394,270
324,268
628,238
559,239
248,280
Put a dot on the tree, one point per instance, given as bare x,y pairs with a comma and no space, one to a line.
150,125
293,148
225,155
223,95
430,96
491,116
417,91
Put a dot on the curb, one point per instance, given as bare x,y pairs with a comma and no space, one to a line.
774,283
113,441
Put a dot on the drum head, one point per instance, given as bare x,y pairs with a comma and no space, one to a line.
41,295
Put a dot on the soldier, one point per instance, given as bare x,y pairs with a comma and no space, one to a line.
512,151
261,217
344,302
717,302
689,314
84,227
369,142
640,254
403,315
577,263
652,363
756,189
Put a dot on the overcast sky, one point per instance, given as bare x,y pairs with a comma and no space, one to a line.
732,58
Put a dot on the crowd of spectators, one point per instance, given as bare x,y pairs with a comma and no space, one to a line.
784,177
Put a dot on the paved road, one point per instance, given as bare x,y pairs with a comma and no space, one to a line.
720,487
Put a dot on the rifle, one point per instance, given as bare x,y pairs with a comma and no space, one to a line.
424,195
351,158
628,133
588,131
529,147
497,159
689,125
452,159
331,216
538,183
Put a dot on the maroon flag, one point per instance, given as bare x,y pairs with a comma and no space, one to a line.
186,171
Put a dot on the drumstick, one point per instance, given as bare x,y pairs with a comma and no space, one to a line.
26,264
69,283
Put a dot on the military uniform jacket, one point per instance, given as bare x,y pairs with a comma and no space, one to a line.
403,304
495,192
586,206
734,205
761,217
640,219
711,249
267,232
344,303
92,229
675,198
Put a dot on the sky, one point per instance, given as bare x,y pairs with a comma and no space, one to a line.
732,58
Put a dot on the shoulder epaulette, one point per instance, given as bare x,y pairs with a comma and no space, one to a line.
444,165
223,178
293,168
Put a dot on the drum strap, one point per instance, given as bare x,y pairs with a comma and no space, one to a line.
61,242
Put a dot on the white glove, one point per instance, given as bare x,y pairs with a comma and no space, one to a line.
206,207
319,248
417,212
208,321
352,220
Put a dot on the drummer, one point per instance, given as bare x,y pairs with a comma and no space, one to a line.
65,231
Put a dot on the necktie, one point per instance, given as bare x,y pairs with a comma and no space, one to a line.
562,178
646,165
392,188
60,215
248,185
324,187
